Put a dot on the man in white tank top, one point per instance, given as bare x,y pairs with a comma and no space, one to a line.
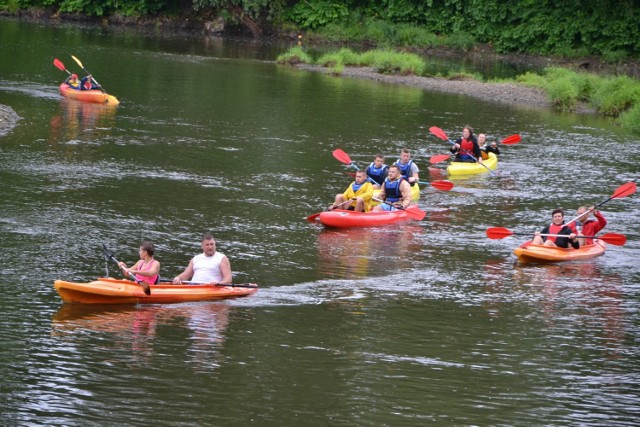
209,267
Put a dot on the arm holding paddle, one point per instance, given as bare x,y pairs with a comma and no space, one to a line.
358,192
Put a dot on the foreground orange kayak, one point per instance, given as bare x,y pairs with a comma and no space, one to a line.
95,96
528,252
115,291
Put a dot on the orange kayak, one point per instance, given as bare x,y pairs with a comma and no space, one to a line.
528,252
115,291
95,96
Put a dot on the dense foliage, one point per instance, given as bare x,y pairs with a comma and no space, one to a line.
610,28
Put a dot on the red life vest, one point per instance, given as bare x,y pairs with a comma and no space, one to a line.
554,229
466,144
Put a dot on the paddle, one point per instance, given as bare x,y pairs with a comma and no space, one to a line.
512,139
85,70
413,211
343,157
442,184
438,158
144,285
611,238
623,191
59,65
233,285
442,135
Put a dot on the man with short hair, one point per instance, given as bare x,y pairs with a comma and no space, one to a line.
209,267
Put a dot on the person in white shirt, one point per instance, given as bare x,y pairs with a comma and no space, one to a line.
209,267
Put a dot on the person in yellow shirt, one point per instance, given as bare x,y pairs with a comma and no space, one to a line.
359,194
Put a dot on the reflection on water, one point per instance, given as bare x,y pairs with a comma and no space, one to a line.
81,121
571,297
361,252
136,329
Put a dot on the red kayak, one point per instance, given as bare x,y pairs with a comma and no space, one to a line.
95,96
343,218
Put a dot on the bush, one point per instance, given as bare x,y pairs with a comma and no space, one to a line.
317,13
295,55
532,80
616,95
631,118
344,56
389,62
563,94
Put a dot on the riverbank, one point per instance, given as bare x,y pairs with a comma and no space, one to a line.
509,93
8,119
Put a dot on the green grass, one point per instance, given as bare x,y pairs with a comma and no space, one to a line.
295,55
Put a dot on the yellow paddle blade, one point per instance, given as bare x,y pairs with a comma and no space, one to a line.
77,61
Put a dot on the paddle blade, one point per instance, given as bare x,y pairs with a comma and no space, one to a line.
77,61
443,185
439,133
59,65
416,213
439,158
314,217
341,156
624,190
510,140
498,232
614,239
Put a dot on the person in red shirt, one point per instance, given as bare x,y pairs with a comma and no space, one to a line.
589,225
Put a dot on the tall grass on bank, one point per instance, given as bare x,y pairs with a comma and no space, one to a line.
384,61
610,96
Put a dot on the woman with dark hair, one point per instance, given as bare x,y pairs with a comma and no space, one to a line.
466,147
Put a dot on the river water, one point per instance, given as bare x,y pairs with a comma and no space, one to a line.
427,322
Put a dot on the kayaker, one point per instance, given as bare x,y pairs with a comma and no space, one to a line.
359,193
407,167
557,226
466,147
377,171
87,83
147,269
485,148
209,267
588,226
395,191
73,81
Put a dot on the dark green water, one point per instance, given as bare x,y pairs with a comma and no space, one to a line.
420,323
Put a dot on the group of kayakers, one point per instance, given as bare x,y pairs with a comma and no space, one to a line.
86,83
210,267
392,184
394,188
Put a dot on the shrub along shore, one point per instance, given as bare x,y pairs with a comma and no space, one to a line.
559,88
